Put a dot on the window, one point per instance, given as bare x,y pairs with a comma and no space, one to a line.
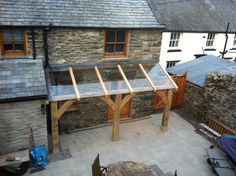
234,44
171,63
174,39
210,39
115,44
12,42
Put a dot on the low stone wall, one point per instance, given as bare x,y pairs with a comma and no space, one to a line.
220,97
217,99
194,100
16,119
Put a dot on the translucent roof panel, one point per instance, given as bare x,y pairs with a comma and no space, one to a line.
95,81
61,87
159,77
114,81
88,83
136,78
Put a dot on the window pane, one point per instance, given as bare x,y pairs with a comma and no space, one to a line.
120,36
6,35
18,46
109,48
17,35
119,48
8,46
110,36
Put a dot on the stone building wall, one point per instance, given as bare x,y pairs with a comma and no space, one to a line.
72,46
217,99
220,97
16,120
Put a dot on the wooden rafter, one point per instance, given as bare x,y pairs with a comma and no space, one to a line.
124,77
167,74
74,83
148,78
101,80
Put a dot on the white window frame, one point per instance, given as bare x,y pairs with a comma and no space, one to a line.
210,39
174,40
234,42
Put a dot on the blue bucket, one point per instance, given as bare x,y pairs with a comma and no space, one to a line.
38,155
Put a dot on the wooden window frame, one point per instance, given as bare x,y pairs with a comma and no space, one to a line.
210,39
13,52
113,55
174,39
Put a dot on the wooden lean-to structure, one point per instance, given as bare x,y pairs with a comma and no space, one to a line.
63,96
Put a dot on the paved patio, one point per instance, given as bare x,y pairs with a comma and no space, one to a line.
181,148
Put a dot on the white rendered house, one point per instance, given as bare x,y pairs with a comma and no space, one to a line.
195,27
180,47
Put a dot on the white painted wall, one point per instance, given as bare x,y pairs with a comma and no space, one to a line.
191,44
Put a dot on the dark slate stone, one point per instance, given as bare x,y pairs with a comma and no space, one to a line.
195,15
21,78
78,13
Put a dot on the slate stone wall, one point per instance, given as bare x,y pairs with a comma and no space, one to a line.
90,112
87,45
217,99
194,100
16,119
220,97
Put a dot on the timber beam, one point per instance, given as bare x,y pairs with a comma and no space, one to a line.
56,113
166,111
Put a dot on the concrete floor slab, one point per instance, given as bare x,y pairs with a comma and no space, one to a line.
181,148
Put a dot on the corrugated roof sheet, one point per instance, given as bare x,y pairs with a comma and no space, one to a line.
78,13
21,78
195,15
198,68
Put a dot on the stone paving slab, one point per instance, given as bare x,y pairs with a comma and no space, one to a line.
181,148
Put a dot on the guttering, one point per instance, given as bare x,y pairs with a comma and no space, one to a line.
20,99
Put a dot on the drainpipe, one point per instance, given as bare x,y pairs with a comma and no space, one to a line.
33,44
45,44
226,41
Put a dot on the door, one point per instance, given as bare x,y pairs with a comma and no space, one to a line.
125,111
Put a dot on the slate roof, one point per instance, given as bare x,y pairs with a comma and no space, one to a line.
195,15
21,78
78,13
198,68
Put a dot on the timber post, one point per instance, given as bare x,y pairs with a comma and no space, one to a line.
54,124
166,111
116,119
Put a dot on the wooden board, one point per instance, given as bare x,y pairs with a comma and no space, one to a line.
178,95
21,156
